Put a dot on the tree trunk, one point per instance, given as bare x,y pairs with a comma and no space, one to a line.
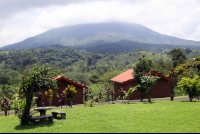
172,97
172,93
5,111
26,112
149,94
141,96
70,102
49,102
149,97
190,99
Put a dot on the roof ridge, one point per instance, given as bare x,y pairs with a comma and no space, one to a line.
74,82
128,76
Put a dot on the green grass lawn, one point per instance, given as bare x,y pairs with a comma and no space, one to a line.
156,117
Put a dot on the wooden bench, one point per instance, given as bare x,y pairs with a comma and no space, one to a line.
55,113
50,117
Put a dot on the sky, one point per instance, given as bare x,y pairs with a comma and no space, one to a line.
21,19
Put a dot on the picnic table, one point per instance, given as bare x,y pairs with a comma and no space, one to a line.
42,110
55,113
43,115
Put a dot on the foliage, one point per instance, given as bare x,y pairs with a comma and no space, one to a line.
141,68
4,79
189,86
85,95
5,106
190,68
130,92
178,57
61,101
105,78
49,95
147,82
19,108
90,98
90,102
71,62
70,93
122,93
124,45
7,91
163,67
100,97
38,78
112,93
173,75
108,93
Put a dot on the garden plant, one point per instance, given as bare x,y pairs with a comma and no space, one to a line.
49,95
69,93
190,87
122,93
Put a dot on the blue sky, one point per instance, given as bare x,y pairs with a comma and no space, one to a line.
21,19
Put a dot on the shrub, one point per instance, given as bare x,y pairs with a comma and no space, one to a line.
49,95
91,102
70,93
190,87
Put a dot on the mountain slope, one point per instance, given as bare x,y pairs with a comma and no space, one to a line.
90,33
124,45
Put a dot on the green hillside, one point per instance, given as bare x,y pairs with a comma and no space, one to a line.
90,33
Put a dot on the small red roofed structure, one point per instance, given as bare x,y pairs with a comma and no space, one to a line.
62,83
126,80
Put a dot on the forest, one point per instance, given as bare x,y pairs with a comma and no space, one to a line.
88,68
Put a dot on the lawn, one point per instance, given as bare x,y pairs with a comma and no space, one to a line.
140,117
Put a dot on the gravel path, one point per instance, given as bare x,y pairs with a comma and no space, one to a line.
120,101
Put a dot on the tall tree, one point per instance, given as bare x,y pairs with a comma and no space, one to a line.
40,77
163,67
178,57
142,67
173,75
190,69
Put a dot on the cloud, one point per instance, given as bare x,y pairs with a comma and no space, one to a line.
22,19
11,7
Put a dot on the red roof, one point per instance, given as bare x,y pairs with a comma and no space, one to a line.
59,77
124,77
127,76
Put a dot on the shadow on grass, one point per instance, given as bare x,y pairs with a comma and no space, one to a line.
35,125
147,102
189,101
143,102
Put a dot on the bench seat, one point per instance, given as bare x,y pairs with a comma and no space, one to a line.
55,113
50,117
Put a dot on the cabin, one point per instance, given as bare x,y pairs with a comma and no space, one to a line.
62,83
126,80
